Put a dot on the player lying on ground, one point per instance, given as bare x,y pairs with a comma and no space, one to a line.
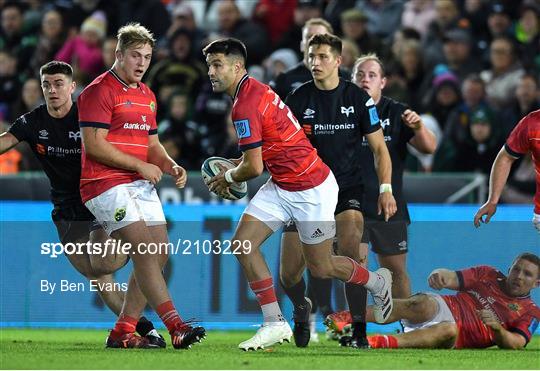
52,132
489,309
302,188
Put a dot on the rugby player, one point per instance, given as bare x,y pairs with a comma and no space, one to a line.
301,188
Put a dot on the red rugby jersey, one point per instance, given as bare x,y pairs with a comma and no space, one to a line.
480,288
524,138
130,116
262,119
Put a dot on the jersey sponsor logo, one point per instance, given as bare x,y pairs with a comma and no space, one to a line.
373,116
308,113
136,126
75,135
385,123
307,129
347,110
43,134
370,102
143,118
242,128
40,148
119,214
331,128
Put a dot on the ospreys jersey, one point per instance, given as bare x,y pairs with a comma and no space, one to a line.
57,145
396,136
335,121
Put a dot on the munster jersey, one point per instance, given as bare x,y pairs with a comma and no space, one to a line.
56,142
261,119
396,136
482,288
524,138
335,121
130,116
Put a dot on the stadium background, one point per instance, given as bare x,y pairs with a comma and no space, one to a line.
193,125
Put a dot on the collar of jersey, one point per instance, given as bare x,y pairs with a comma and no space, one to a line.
120,79
242,80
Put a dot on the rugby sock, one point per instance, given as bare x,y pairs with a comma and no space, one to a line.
322,290
144,326
296,292
383,341
357,300
359,275
266,296
170,317
124,325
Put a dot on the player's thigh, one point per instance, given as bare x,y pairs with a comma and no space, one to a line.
389,238
396,263
73,229
252,231
313,211
292,262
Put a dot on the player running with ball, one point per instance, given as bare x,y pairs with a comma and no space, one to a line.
301,188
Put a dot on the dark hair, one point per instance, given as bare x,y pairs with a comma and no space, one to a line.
529,256
55,67
13,4
327,39
530,76
228,46
474,77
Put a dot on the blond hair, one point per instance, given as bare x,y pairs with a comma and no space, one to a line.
319,22
133,34
370,57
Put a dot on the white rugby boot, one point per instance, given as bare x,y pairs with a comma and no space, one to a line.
267,335
382,298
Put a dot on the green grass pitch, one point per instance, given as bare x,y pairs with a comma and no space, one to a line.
84,349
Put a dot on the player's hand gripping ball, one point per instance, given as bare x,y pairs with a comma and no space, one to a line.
210,169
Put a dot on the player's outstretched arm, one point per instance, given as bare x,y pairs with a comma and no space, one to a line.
442,278
7,142
503,338
383,166
98,148
424,139
497,179
158,156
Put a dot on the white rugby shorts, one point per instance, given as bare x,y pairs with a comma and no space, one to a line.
312,210
126,204
443,315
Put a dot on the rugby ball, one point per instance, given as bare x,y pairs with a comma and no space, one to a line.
209,169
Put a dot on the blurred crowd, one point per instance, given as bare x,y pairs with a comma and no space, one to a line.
470,67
